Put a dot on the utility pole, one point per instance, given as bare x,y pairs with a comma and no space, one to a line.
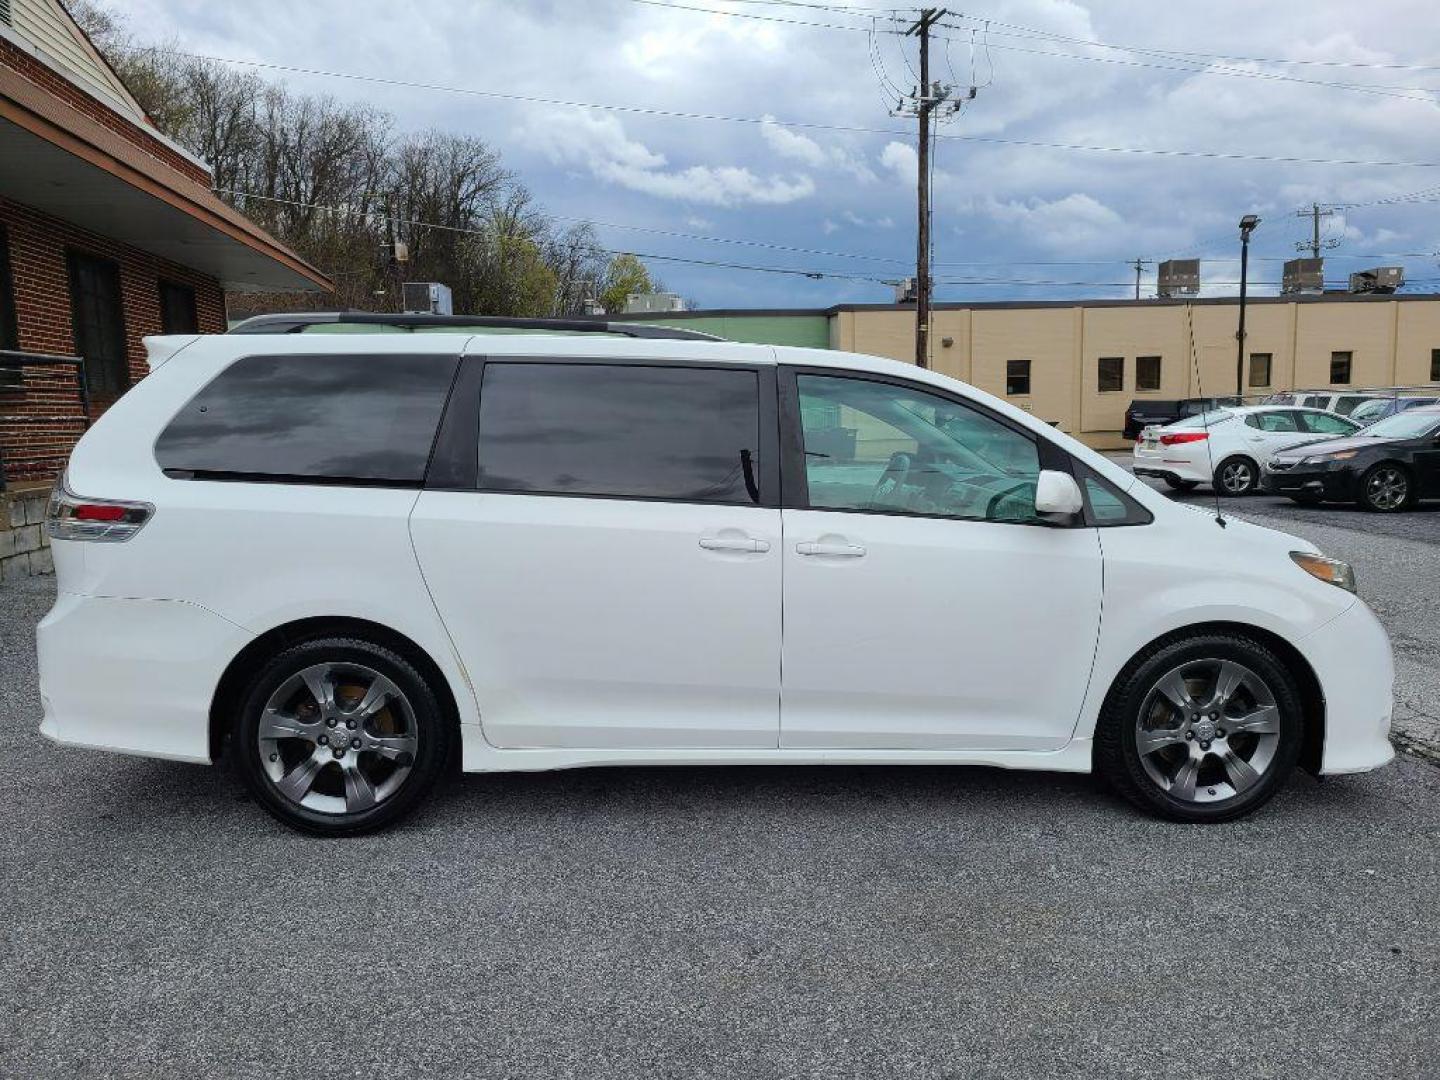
927,97
1315,213
1139,265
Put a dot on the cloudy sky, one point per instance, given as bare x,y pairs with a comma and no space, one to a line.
812,159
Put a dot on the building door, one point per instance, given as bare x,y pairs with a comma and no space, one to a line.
99,324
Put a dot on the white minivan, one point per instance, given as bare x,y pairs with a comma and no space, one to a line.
343,561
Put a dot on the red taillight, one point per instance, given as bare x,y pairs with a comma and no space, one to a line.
1183,437
97,512
73,517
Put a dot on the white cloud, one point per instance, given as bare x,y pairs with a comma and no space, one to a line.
791,144
886,222
902,160
601,145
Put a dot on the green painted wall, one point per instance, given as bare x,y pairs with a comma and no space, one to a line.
808,331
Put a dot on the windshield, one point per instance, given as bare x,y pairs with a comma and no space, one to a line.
1371,410
1405,425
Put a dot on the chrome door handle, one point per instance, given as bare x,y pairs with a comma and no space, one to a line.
844,551
734,543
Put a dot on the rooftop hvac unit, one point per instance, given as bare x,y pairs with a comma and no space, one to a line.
1303,276
426,298
1179,277
645,303
906,292
1382,279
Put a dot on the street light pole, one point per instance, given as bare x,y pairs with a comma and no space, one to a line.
1247,226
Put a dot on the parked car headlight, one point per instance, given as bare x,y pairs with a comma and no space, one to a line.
1338,455
1332,571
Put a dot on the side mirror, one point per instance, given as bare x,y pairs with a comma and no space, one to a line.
1057,496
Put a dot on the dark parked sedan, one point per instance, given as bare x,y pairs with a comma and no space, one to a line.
1388,466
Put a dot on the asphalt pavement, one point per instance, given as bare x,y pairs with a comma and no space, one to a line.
728,922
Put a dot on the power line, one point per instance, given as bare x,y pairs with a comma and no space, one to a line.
675,114
1153,50
1404,92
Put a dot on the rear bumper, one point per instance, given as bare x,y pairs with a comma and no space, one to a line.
1351,656
133,676
1155,463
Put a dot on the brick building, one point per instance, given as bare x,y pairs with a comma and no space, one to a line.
108,233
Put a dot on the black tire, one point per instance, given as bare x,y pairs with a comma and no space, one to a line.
1236,475
1377,486
1176,484
1118,760
414,704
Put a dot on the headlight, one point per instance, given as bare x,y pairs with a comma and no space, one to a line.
1332,571
1339,455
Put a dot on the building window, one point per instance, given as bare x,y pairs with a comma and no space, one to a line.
1340,367
1147,373
177,309
1017,378
1112,373
1260,368
1435,365
98,322
9,325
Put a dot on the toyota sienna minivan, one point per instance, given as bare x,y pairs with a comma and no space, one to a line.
343,562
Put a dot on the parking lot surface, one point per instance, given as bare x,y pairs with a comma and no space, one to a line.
806,922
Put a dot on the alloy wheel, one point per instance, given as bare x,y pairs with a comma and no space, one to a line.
337,738
1208,731
1387,488
1236,477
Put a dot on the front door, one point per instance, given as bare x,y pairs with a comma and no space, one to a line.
613,579
926,606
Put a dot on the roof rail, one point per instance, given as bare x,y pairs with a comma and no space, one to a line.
296,322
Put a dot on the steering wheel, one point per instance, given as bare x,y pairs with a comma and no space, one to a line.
897,471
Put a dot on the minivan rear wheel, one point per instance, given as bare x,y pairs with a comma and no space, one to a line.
1202,729
339,736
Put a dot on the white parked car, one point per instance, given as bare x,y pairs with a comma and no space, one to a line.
341,560
1228,447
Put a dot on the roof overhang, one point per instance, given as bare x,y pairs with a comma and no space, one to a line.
59,161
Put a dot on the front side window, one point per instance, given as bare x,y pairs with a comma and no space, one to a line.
326,419
1327,423
98,322
1112,373
645,432
1340,368
1260,368
1147,373
893,449
1017,378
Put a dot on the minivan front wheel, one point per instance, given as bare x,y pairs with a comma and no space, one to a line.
1203,729
339,736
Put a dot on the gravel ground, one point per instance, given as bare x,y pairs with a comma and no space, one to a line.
840,922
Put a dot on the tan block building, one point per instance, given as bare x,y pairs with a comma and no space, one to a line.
1079,363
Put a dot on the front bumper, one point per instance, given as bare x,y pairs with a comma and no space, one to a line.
1351,657
133,676
1314,481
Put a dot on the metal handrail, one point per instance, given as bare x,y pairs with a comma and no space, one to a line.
14,358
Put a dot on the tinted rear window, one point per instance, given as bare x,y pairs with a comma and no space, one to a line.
679,433
367,419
